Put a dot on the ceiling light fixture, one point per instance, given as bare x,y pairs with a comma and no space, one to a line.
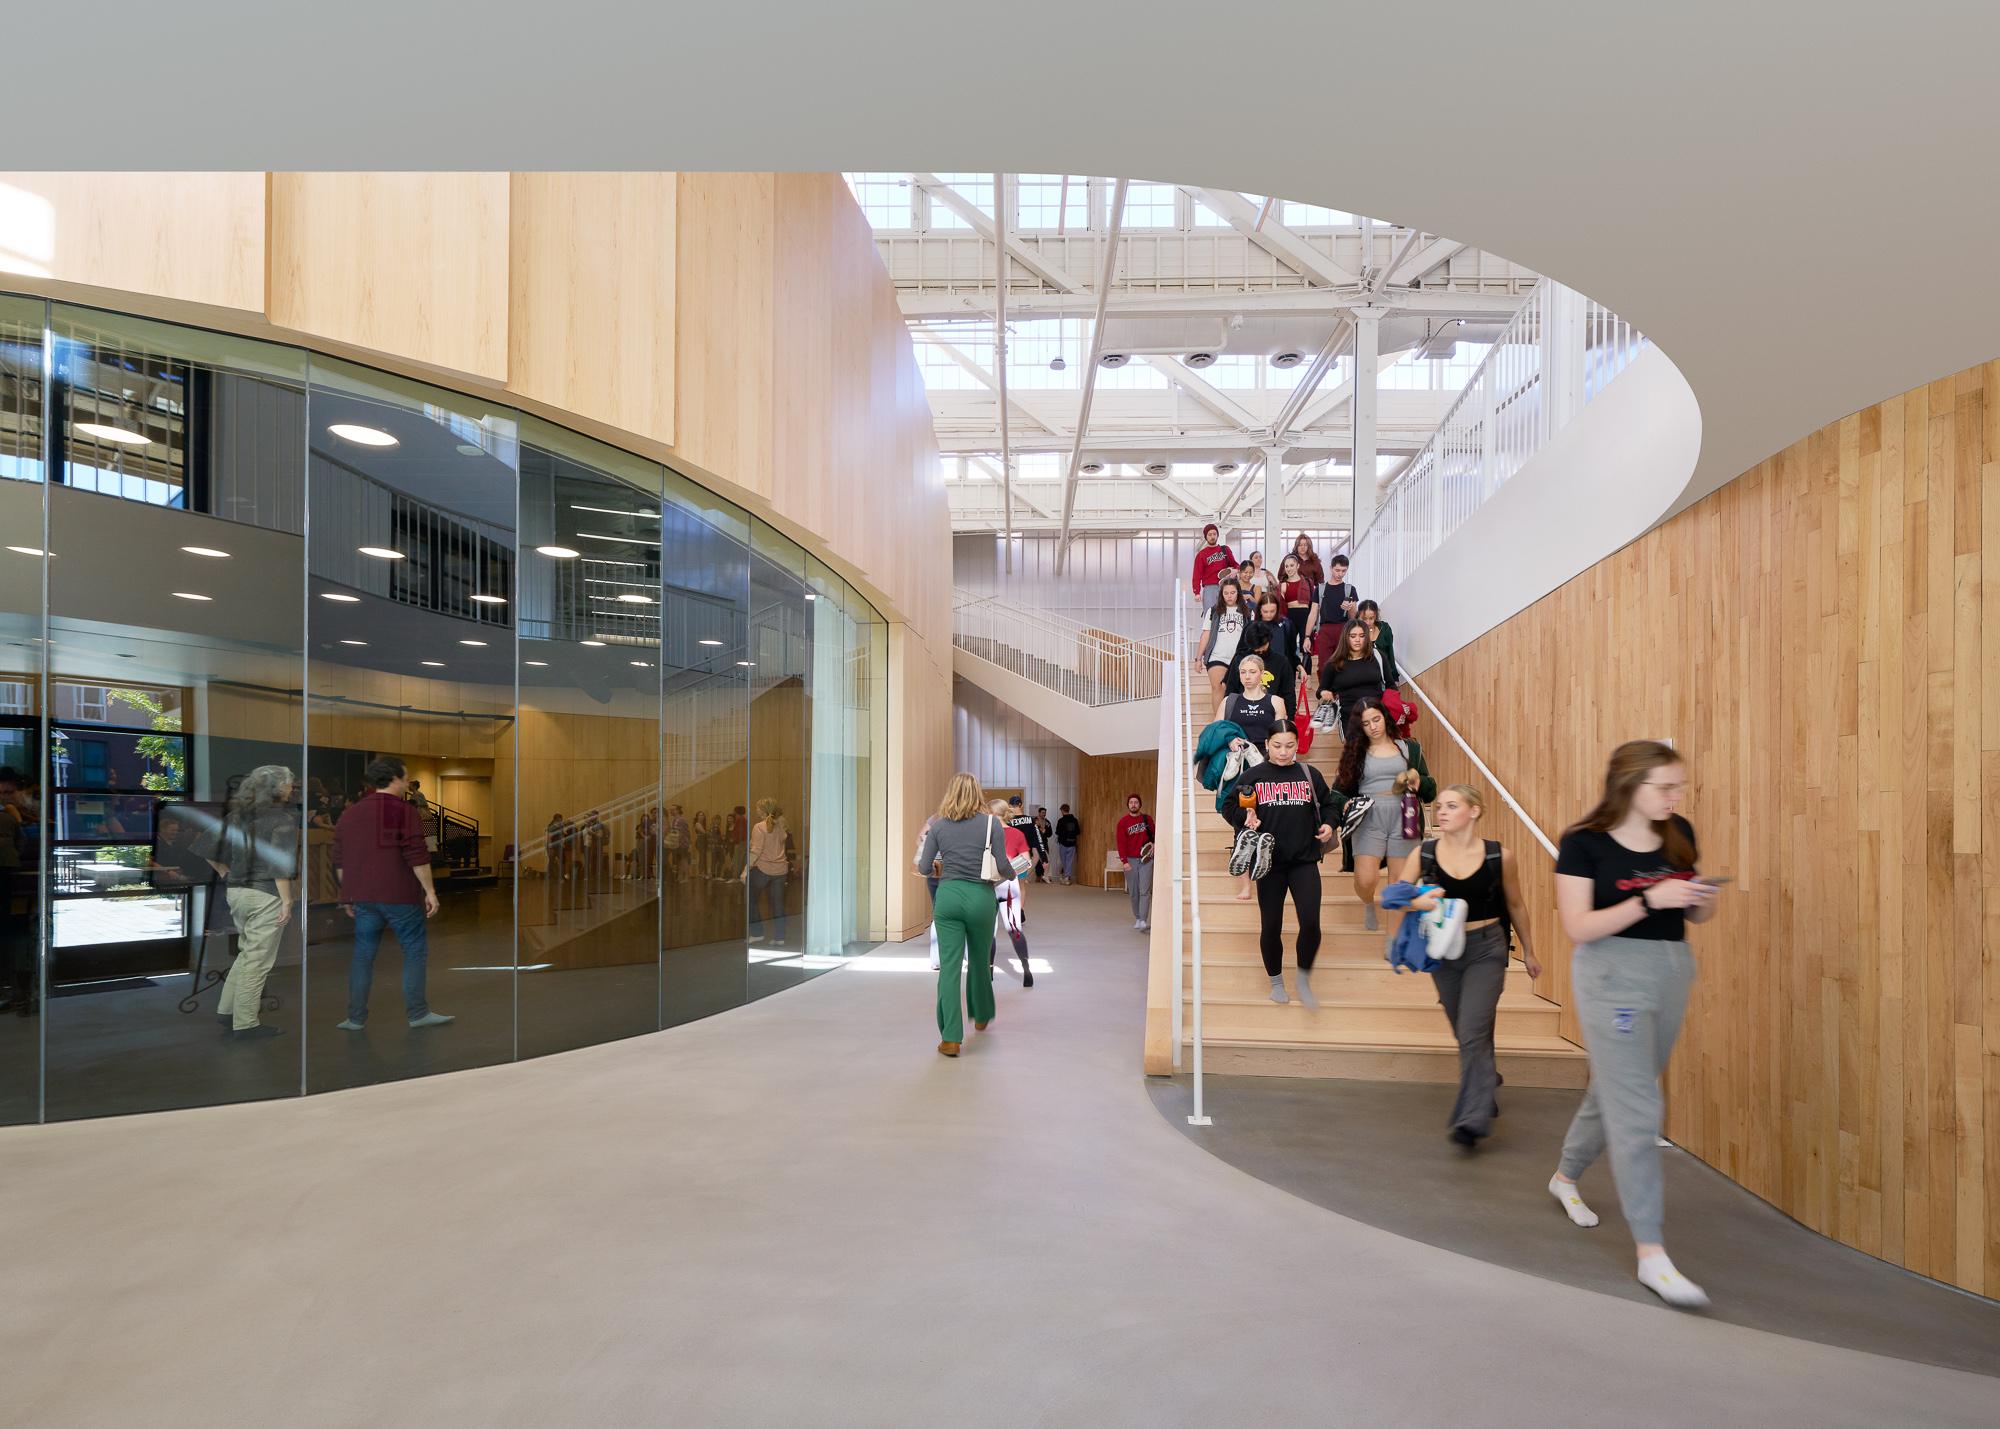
208,551
27,550
491,599
471,449
380,553
560,553
746,664
542,663
337,595
472,642
631,598
434,664
640,664
362,436
708,642
191,595
811,596
354,642
592,644
614,511
119,436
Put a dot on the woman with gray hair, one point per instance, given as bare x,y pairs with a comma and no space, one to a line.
256,850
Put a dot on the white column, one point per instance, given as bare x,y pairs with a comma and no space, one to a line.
1562,354
1275,544
1367,354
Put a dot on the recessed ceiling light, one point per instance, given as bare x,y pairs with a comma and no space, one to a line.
362,436
593,644
354,642
209,551
339,596
811,596
434,664
628,540
190,595
746,664
380,553
27,550
614,511
491,599
708,642
631,598
472,642
534,662
471,449
105,432
560,553
640,664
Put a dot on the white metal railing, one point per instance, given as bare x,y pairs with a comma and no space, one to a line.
1556,356
1092,667
1186,839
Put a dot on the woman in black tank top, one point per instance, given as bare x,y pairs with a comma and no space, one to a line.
1259,714
1469,986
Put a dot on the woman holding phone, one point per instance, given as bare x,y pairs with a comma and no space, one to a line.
1626,888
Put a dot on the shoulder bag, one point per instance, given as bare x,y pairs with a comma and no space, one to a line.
989,866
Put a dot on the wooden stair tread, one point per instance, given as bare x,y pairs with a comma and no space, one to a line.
1439,1042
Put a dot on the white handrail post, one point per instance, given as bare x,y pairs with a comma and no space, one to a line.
1186,776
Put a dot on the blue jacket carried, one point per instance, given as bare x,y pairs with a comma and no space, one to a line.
1211,754
1406,945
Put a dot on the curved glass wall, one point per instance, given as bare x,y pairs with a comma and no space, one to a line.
354,729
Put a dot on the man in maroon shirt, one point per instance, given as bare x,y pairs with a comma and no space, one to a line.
384,871
1212,562
1135,851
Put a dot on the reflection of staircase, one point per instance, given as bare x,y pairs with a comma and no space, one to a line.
1372,1022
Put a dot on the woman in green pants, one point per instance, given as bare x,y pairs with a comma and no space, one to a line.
958,840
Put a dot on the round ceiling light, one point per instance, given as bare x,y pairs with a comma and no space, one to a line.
1157,468
362,436
1198,360
380,553
1226,468
119,436
560,553
1114,359
1092,468
337,595
1287,358
208,551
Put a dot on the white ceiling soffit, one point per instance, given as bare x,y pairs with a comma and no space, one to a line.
1793,200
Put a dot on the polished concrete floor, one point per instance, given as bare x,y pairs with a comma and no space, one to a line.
796,1213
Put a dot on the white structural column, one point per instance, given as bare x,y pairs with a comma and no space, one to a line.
1274,508
1367,354
1000,212
1564,314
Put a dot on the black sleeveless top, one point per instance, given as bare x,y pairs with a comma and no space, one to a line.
1484,897
1259,717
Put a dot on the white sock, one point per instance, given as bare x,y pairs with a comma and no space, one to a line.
1658,1275
1571,1202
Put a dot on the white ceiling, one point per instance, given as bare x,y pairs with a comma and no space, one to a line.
1795,201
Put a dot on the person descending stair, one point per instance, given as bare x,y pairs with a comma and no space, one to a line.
1260,715
1385,772
1290,802
1135,852
1462,865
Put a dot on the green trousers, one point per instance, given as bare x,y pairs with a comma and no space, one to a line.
964,915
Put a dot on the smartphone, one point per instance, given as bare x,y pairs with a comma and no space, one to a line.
1716,882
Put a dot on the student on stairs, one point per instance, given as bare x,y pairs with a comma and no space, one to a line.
1625,889
1463,865
1376,766
1259,715
1291,802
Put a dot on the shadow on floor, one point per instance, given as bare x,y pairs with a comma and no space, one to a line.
1376,1152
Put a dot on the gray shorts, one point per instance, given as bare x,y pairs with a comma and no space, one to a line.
1381,831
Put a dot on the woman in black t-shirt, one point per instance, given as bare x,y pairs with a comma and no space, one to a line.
1352,674
1625,889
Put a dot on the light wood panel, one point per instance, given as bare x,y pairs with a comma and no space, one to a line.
1102,782
590,323
1822,638
195,237
412,264
726,364
920,764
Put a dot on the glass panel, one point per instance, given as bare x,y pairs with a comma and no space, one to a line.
704,659
589,732
411,617
780,760
21,836
174,586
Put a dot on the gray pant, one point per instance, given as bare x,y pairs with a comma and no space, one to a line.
1139,886
1469,987
1631,994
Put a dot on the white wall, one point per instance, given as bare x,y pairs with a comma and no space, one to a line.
1599,485
1005,748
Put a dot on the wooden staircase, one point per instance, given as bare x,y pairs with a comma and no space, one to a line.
1372,1022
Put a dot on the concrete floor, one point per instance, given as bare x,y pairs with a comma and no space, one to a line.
796,1213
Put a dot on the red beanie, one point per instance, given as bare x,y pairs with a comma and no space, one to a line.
1211,526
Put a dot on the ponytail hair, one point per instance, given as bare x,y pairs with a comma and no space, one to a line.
1630,763
771,814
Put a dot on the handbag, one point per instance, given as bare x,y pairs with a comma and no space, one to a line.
1351,816
989,866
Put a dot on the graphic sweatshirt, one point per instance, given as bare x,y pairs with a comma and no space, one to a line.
1211,564
1293,800
1135,831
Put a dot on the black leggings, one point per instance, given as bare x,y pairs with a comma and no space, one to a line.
1297,620
1301,880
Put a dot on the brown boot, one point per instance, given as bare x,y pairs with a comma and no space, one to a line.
950,1049
979,1027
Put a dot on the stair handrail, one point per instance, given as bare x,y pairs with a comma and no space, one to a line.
1506,795
1070,643
1183,754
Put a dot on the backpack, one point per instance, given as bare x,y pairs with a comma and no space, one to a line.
1428,866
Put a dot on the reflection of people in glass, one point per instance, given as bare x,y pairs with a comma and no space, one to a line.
257,850
766,872
423,807
18,884
385,882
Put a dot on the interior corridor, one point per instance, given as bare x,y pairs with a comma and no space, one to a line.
797,1213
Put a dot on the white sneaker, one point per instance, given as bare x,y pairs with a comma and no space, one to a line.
1658,1275
1145,926
1138,922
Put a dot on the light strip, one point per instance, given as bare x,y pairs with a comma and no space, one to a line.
621,540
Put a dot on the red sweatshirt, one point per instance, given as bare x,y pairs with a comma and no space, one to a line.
1135,831
375,845
1211,564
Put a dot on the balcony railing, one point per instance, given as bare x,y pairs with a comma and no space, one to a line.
1092,667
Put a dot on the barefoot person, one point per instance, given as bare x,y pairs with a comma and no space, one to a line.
1626,889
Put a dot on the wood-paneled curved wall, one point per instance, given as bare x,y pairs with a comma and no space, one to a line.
737,326
1822,638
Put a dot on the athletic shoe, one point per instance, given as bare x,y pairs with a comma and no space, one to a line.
1243,855
1444,930
348,1024
434,1019
1261,862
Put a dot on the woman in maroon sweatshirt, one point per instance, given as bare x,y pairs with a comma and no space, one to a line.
1213,561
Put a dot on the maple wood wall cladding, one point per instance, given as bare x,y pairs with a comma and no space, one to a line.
1822,638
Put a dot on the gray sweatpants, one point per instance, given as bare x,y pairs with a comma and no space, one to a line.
1468,988
1631,994
1139,887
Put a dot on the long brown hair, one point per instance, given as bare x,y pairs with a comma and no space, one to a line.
1344,655
1354,753
1630,763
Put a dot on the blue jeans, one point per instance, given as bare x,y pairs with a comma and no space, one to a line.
407,919
767,905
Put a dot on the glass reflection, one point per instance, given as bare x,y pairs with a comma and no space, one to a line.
409,775
173,682
777,858
21,500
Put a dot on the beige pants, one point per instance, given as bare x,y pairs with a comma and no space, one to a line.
259,932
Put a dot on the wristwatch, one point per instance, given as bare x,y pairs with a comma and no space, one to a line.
1644,904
